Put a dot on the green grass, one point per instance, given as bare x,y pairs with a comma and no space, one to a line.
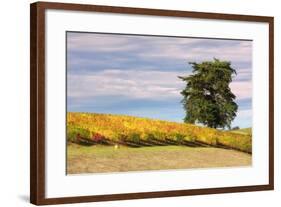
101,159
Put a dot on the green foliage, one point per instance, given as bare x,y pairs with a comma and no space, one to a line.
73,131
180,138
207,95
134,137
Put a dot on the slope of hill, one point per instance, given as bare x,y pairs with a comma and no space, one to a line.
246,131
91,128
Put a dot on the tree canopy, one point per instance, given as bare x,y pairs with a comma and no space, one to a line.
207,96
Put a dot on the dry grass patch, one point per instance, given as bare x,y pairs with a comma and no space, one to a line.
100,159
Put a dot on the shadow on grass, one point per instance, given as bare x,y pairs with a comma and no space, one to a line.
142,143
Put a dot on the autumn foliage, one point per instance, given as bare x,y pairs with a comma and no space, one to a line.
121,128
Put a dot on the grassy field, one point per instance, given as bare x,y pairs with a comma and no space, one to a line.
100,159
245,131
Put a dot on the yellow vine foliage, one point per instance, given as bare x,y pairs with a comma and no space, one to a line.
114,127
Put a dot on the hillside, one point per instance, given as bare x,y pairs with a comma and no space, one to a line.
91,128
246,131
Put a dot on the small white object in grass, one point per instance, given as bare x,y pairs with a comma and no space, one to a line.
116,146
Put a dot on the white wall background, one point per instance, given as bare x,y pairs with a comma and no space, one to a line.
14,103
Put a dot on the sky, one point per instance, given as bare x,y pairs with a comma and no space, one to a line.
138,75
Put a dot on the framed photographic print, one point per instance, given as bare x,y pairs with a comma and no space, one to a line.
130,103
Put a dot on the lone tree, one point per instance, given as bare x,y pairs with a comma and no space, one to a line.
207,95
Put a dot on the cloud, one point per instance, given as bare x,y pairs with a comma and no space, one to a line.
134,74
138,84
244,113
164,48
241,89
98,42
202,50
243,74
133,84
